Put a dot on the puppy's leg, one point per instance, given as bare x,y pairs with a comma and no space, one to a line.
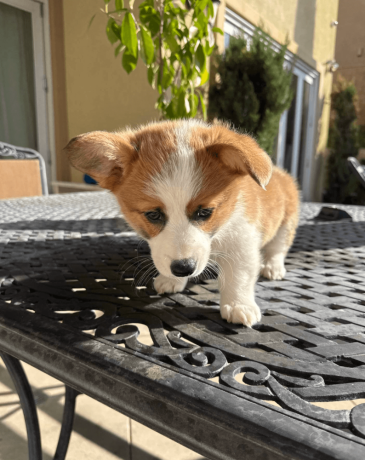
164,284
239,269
275,251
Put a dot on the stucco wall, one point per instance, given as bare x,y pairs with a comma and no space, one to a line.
100,94
307,24
350,47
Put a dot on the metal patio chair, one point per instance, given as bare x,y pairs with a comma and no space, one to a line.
28,178
357,169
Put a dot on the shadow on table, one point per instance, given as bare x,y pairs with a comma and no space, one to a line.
329,235
310,237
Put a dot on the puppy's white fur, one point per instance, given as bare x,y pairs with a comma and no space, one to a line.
179,181
241,246
235,248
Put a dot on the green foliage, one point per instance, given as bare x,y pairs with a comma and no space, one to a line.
253,88
361,136
343,142
173,41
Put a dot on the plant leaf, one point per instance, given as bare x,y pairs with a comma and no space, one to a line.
151,77
167,76
91,21
147,43
118,49
129,61
117,30
154,25
147,3
204,77
110,31
210,9
181,109
150,18
201,22
119,5
201,58
204,109
172,43
217,30
129,35
193,99
199,6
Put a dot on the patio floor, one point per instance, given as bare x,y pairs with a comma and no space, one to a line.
100,433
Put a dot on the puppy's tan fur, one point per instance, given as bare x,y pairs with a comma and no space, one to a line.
233,175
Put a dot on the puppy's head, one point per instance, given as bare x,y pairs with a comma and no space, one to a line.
177,183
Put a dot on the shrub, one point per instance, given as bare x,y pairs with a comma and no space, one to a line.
361,136
343,142
253,88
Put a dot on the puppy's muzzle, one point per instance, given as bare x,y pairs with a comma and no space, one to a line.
183,267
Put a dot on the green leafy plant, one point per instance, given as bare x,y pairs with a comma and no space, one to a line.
252,87
173,39
343,141
361,136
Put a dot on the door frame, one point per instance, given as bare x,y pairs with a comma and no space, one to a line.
304,72
43,79
309,142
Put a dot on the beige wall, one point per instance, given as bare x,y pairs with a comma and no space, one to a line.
350,47
324,51
307,25
100,94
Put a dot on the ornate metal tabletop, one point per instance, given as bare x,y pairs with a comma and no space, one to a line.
75,283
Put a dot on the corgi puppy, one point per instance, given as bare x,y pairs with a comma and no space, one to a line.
198,193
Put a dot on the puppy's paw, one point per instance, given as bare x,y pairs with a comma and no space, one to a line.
247,314
163,284
273,270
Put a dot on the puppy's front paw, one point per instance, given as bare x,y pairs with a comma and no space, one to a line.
163,284
247,314
273,270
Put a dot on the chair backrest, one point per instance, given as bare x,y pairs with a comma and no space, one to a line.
22,172
357,169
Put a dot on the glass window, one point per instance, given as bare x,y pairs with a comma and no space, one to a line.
226,39
303,132
289,140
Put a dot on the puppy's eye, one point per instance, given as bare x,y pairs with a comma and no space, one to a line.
154,216
204,214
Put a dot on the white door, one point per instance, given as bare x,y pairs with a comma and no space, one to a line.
23,84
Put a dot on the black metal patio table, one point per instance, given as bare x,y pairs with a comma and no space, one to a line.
75,283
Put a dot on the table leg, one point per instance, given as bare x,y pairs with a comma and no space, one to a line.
67,423
27,402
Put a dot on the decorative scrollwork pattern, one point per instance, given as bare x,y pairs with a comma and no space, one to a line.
77,263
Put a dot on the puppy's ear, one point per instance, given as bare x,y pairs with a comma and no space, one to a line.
101,155
242,154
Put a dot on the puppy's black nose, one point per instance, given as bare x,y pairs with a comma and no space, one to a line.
183,267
